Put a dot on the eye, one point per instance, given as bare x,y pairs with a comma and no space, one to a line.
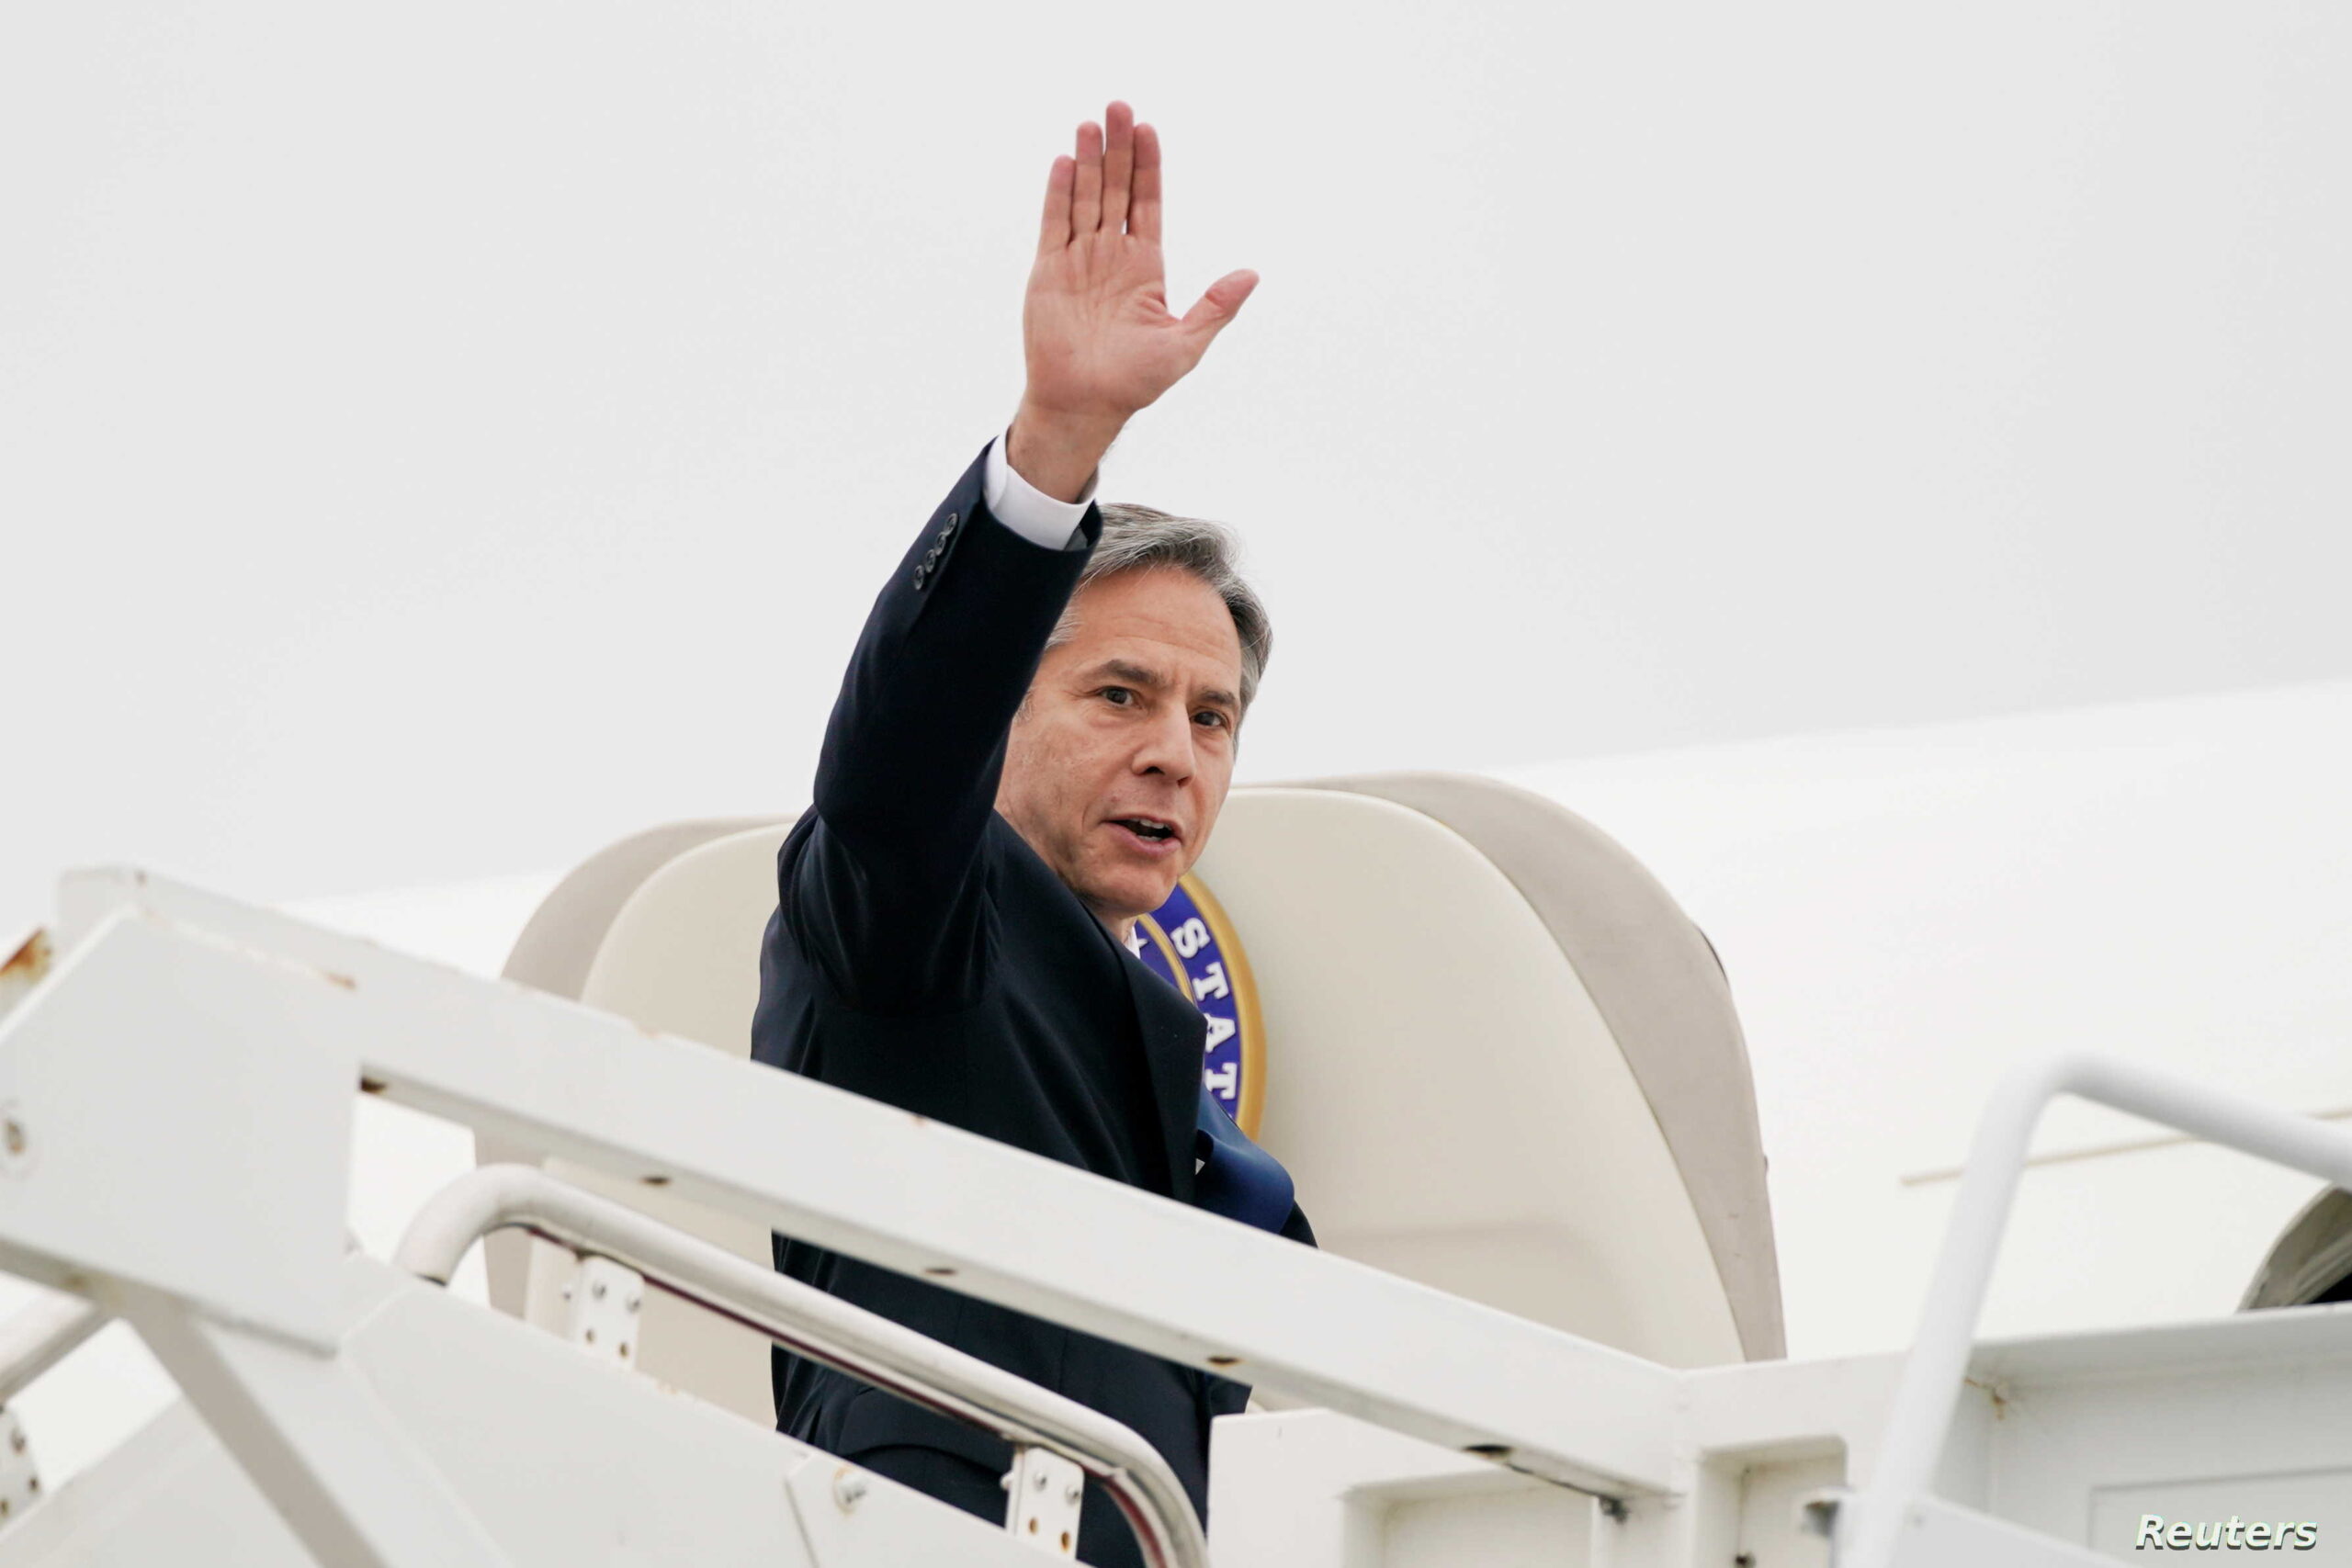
1213,718
1118,697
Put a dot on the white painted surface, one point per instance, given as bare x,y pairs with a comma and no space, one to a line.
102,1394
1903,915
2056,1427
846,1173
1443,1086
1906,914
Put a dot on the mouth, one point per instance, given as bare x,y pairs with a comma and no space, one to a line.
1149,835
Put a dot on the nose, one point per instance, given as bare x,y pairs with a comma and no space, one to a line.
1166,746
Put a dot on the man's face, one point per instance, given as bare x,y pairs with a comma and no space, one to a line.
1129,724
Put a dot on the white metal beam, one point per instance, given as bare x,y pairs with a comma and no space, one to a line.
309,1431
175,1113
898,1190
1933,1533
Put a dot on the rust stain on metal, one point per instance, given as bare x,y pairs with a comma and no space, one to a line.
371,1086
655,1181
1224,1360
2000,1401
346,981
941,1271
30,960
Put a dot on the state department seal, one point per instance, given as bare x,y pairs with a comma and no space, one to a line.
1189,942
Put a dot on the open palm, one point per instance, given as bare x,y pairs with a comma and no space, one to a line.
1096,330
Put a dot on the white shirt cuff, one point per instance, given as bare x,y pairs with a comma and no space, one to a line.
1030,512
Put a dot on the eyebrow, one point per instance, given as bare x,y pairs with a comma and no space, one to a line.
1153,680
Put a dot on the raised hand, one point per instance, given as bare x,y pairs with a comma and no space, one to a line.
1096,331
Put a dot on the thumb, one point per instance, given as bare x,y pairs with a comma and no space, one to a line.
1219,305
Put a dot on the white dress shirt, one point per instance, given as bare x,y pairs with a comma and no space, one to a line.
1030,512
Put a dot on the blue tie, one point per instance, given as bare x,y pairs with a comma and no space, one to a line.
1240,1180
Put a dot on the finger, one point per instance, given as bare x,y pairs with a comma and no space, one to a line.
1086,205
1053,232
1143,210
1118,160
1218,306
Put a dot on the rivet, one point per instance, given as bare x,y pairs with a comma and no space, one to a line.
848,1489
597,1289
1041,1481
14,1132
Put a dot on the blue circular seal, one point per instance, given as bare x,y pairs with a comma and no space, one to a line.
1189,942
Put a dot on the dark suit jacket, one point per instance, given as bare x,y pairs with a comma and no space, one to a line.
921,953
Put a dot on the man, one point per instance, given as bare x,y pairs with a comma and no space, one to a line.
1031,746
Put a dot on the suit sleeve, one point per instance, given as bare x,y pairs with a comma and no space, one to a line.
882,890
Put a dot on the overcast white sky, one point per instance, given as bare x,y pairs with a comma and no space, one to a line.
435,442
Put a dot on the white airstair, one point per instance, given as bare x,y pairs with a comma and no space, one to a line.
1544,1328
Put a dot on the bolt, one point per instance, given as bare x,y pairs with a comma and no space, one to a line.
1041,1481
17,1440
848,1490
1071,1494
597,1289
633,1304
567,1293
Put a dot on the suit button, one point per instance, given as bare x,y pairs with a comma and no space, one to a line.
919,571
951,522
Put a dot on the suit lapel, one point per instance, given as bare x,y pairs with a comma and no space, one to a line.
1171,1030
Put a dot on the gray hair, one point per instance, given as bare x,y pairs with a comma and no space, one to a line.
1136,537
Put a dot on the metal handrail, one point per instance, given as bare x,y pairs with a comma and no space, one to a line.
1869,1522
43,1333
810,1323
